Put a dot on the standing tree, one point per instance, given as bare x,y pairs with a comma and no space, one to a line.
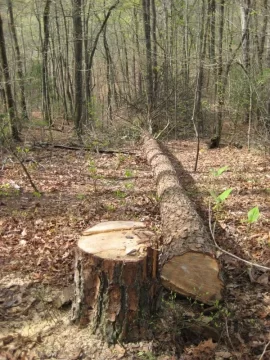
149,67
18,61
8,90
78,56
45,68
245,13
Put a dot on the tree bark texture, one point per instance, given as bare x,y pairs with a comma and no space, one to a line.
45,68
18,60
8,90
187,257
78,56
116,288
149,65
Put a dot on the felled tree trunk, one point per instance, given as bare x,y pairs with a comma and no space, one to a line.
187,257
115,281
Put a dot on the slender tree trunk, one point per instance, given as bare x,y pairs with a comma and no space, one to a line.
68,81
45,68
263,34
18,61
245,11
9,96
212,48
154,37
202,54
149,67
91,54
221,85
78,56
140,86
4,107
61,66
186,44
108,73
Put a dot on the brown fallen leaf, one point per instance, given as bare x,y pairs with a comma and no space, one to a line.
263,279
223,354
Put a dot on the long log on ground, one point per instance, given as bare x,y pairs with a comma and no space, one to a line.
187,256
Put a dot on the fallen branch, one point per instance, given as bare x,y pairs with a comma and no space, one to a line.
26,172
264,350
77,148
212,232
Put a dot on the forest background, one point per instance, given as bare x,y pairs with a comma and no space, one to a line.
160,64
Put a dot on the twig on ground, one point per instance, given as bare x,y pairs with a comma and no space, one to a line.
228,336
264,350
212,232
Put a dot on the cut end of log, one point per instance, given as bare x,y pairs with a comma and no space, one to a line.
195,275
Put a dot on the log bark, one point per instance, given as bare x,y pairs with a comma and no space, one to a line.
115,281
187,256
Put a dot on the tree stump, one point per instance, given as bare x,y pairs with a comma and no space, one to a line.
187,257
115,281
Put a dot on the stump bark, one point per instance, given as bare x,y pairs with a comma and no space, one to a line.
187,257
115,281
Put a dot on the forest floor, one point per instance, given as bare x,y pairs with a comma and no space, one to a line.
80,189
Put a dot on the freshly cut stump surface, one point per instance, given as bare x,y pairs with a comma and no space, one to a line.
115,280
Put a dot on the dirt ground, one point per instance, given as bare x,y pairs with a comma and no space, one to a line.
80,189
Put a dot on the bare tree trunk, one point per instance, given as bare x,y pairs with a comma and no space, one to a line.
108,73
245,11
212,48
90,56
9,96
18,61
186,45
202,54
61,66
45,69
140,86
78,56
149,67
68,81
222,76
154,37
221,86
4,107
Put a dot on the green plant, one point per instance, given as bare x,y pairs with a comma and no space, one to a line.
80,196
253,215
8,190
146,355
110,207
128,173
219,313
129,186
120,194
121,158
219,171
37,194
92,168
219,199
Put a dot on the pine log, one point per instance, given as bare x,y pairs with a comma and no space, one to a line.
187,256
115,281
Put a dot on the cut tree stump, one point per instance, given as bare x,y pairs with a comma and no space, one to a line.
187,257
115,281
